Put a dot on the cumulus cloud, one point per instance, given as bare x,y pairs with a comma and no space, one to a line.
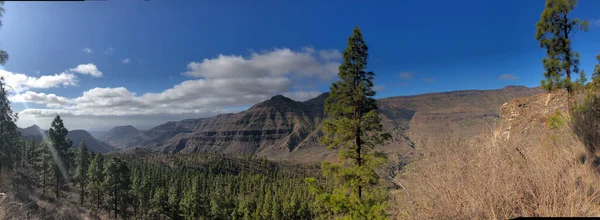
508,77
39,98
330,55
126,60
405,75
110,50
20,82
87,69
87,50
224,82
276,63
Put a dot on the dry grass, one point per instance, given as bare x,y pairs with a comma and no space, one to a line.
498,179
21,201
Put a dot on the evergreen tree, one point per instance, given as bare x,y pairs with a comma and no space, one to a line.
82,163
43,165
9,135
160,203
117,183
61,144
554,31
96,177
3,54
355,127
190,202
174,200
596,75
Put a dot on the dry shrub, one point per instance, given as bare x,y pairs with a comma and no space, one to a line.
497,179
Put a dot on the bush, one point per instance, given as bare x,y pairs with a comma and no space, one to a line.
496,179
556,120
586,124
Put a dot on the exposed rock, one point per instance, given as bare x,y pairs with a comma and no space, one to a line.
281,128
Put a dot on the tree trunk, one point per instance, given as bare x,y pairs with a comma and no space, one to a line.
568,68
115,198
56,189
82,195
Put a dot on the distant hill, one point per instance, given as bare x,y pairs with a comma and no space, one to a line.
117,134
35,132
281,128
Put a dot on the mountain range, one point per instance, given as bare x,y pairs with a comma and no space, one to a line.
34,132
283,129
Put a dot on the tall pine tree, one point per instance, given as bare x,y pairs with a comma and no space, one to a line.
60,144
82,162
96,177
9,135
555,31
355,129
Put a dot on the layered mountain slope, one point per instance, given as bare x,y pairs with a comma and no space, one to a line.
281,128
34,132
272,128
117,134
424,121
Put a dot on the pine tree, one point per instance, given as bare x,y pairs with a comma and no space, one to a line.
554,31
3,54
136,193
117,183
61,144
596,75
9,135
355,127
96,177
82,162
190,202
174,200
159,203
44,165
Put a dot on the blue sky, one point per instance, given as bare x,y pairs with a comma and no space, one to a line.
415,47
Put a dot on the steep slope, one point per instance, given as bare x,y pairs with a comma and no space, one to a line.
92,143
423,121
272,128
34,132
117,134
281,128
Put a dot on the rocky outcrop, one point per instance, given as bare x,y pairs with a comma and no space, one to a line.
528,116
281,128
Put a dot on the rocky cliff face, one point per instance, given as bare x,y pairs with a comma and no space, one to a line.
272,128
425,121
281,128
528,116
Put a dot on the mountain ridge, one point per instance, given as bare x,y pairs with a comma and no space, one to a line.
282,128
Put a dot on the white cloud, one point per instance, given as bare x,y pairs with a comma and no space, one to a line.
87,50
110,50
126,60
89,69
379,88
595,22
508,77
279,62
20,82
225,83
406,75
39,98
330,54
